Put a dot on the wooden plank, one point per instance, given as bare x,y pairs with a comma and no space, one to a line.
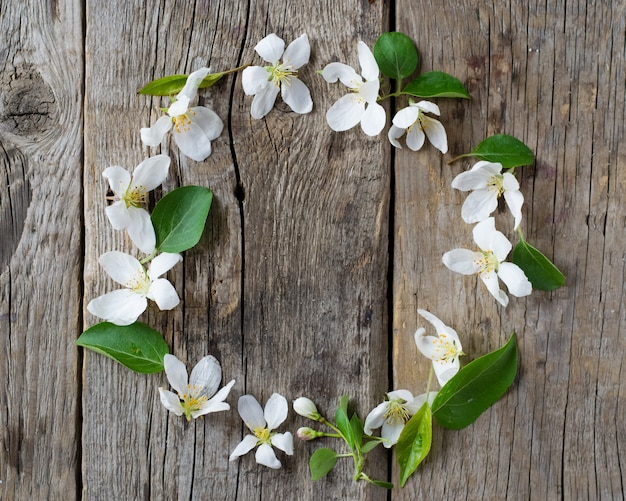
287,286
41,74
553,77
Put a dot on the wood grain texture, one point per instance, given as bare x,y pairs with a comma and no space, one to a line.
40,250
553,76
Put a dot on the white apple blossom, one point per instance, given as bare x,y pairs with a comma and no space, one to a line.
393,414
360,104
306,408
123,306
417,125
487,183
197,395
194,128
264,83
261,423
444,349
130,196
489,263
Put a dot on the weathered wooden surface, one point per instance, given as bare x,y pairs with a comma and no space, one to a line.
289,285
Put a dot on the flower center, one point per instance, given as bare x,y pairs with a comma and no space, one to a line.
135,196
182,123
396,412
489,262
193,400
139,283
496,183
446,348
281,73
263,434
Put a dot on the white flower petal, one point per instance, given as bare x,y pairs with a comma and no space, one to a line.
254,78
118,178
120,266
415,138
193,143
209,408
207,120
428,107
491,281
515,200
500,246
263,101
374,119
266,456
471,180
270,48
515,279
446,371
440,327
171,402
121,307
425,344
152,136
297,96
394,134
118,215
276,410
284,442
140,229
406,117
375,418
221,395
176,373
151,172
345,113
246,445
462,261
484,233
163,293
391,431
297,53
369,66
251,412
346,74
163,263
191,85
207,374
179,107
369,91
479,205
436,134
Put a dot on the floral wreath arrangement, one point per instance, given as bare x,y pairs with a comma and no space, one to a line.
177,221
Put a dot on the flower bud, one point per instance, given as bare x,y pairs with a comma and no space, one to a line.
306,408
307,434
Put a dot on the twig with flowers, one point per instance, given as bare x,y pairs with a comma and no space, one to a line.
177,222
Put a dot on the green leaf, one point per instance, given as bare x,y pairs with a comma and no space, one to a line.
342,421
173,84
503,149
436,84
370,446
380,483
321,462
543,275
356,426
136,346
179,218
476,387
414,442
396,55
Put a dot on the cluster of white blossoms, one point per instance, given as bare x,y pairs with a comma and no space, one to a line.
393,413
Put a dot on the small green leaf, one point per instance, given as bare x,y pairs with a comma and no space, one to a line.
380,483
396,55
179,218
436,84
543,275
356,426
414,442
369,446
173,84
503,149
321,462
476,387
136,346
342,421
